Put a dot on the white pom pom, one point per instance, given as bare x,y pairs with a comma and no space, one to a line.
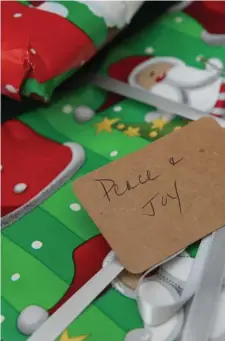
31,318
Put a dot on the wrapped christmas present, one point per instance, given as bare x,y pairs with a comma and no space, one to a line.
45,42
50,245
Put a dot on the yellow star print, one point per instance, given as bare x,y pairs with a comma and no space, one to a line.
159,123
130,131
65,337
120,126
106,125
153,134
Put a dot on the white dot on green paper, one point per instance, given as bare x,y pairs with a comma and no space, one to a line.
37,244
75,207
151,116
67,109
117,108
11,88
149,50
199,58
17,15
179,20
83,113
2,318
15,277
114,153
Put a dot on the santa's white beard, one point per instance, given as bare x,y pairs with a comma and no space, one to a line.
197,88
115,13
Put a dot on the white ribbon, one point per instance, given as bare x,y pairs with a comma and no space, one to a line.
154,315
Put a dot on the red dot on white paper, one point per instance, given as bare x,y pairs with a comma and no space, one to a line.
11,88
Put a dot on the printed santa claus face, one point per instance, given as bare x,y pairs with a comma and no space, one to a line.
169,77
152,74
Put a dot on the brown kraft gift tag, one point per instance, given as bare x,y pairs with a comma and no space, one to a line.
156,201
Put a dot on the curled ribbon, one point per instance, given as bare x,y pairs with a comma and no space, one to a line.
155,315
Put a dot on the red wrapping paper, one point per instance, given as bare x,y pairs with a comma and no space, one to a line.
26,48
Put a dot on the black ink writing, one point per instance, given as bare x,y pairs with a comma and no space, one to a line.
150,203
110,186
173,163
164,201
176,196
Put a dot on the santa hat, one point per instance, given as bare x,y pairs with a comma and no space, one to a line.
32,169
211,15
88,260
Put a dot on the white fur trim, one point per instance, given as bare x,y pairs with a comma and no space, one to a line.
213,39
114,13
